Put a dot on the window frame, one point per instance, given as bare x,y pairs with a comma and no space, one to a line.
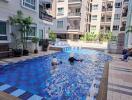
60,13
29,8
4,35
118,5
93,17
62,25
95,7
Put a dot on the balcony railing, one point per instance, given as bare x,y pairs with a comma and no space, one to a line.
124,14
74,0
126,0
74,14
122,28
107,9
45,16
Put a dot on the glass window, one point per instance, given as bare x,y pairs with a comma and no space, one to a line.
60,0
93,28
117,16
30,4
3,28
60,11
116,27
41,36
94,17
118,5
59,24
95,7
32,32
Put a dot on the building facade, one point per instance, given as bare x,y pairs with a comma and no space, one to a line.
119,25
128,35
37,9
69,15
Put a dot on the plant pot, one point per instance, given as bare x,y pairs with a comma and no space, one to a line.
35,51
17,52
45,45
25,52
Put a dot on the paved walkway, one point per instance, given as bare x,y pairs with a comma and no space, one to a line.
23,58
120,79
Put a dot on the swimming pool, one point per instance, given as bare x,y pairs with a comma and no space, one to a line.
66,82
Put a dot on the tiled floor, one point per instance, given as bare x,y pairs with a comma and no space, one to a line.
120,79
17,59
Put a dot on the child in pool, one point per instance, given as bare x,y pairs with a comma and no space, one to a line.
72,59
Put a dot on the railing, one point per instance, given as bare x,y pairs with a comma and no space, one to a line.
126,0
74,0
107,9
122,29
124,14
74,14
45,16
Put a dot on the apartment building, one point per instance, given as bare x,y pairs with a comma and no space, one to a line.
39,11
128,35
120,13
69,15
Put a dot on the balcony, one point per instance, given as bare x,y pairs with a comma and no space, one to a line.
74,1
74,25
74,14
126,0
122,28
107,6
44,11
45,16
125,11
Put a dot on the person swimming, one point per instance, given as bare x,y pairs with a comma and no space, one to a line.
55,62
72,59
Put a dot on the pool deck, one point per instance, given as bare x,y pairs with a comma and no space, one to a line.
23,58
120,79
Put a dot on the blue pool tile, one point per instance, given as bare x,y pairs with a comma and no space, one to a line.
35,97
1,84
25,96
11,89
18,92
3,87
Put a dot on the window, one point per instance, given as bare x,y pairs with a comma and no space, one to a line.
93,28
2,28
108,18
32,32
117,16
94,17
3,31
41,34
60,11
94,7
60,0
30,4
118,5
116,27
59,24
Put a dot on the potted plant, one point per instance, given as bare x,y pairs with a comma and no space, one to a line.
22,24
52,36
35,40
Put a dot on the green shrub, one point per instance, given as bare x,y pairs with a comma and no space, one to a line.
52,35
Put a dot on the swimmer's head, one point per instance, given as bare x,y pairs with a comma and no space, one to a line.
54,60
71,54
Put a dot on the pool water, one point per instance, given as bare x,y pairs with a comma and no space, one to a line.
65,82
